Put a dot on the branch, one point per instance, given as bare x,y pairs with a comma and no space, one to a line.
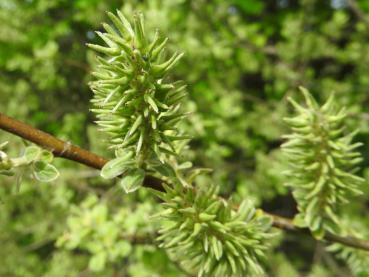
71,152
287,225
354,7
61,148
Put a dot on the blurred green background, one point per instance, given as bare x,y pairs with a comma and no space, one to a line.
242,59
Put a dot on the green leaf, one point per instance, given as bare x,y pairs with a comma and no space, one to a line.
165,170
6,173
124,248
185,165
97,262
133,180
250,6
32,153
45,172
46,156
2,145
318,234
116,167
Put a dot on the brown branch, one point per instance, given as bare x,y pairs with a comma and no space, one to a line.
71,152
287,225
61,148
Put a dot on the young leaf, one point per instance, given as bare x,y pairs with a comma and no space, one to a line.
133,180
115,167
97,262
6,173
32,153
45,172
2,145
46,156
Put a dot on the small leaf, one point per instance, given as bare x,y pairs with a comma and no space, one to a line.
6,173
97,262
115,167
185,165
46,156
2,145
32,153
45,172
319,233
124,248
133,180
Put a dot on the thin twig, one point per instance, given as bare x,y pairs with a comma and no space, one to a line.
71,152
61,148
287,225
336,269
354,7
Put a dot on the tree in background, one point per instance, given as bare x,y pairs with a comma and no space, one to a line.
243,59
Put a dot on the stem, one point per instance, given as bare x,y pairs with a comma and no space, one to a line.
287,225
68,151
354,7
61,148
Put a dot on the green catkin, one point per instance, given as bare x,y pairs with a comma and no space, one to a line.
131,86
210,237
140,109
134,101
322,160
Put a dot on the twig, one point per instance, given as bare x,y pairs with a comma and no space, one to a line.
61,148
287,225
77,64
336,269
354,7
71,152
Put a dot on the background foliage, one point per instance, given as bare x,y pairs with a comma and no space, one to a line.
243,58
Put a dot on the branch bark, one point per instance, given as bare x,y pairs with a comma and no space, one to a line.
287,225
71,152
61,148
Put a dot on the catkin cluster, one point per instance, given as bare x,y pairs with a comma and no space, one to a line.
140,109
